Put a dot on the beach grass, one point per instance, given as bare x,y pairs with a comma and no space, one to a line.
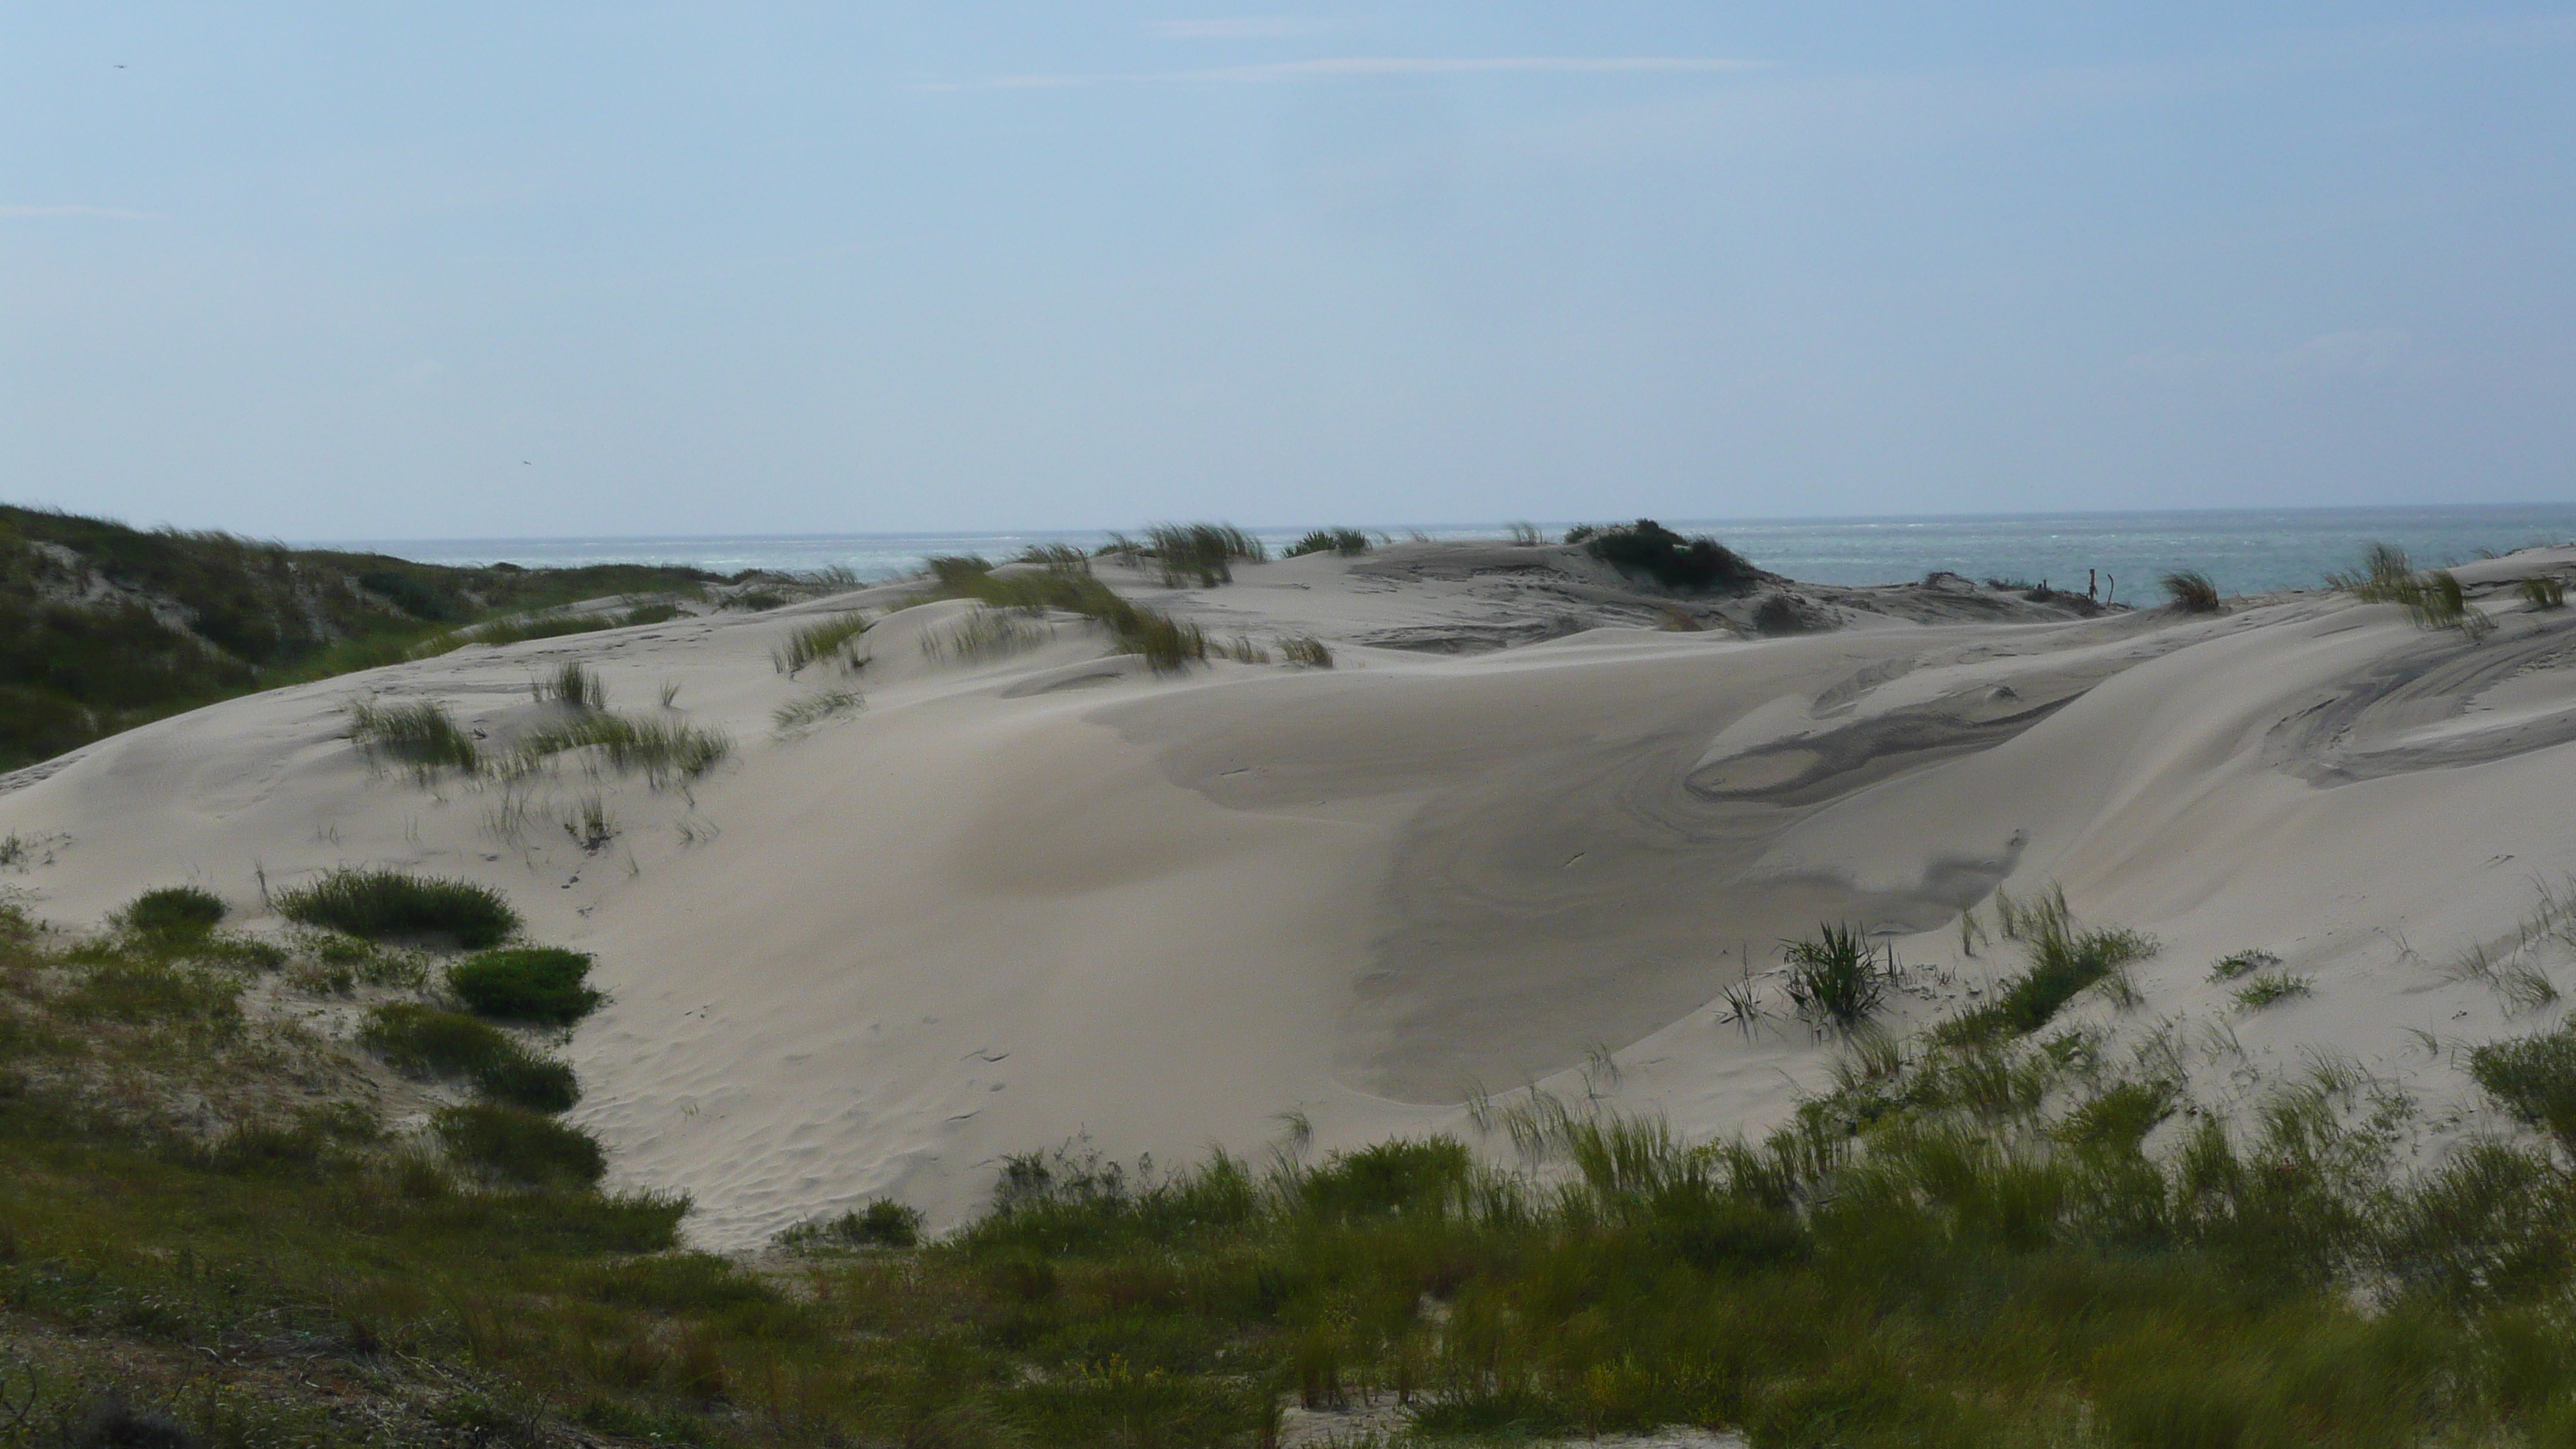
2544,591
1306,652
2064,962
422,735
574,684
1204,553
813,709
2190,591
1837,977
664,751
520,1147
985,633
829,640
2271,988
390,904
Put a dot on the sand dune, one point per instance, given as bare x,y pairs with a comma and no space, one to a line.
1048,894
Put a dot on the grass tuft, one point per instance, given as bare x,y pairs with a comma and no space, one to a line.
2063,962
985,633
1204,552
1838,977
663,750
420,735
546,985
1347,542
174,911
2241,964
813,709
883,1223
815,643
2433,599
2534,1079
1307,652
2542,591
2270,987
381,904
574,684
2190,591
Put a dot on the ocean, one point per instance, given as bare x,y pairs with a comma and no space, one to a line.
2246,551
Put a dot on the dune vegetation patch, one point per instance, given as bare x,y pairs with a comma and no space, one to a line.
1165,644
664,751
1692,564
830,641
427,1041
1347,542
421,735
174,910
380,905
546,985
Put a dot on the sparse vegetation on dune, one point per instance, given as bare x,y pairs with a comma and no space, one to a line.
1187,553
2433,598
813,709
831,640
573,684
174,910
1164,643
1307,652
664,751
986,633
2064,962
1347,542
2006,1237
421,735
2543,591
390,904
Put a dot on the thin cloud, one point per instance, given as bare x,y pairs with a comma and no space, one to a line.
100,213
1348,66
1247,27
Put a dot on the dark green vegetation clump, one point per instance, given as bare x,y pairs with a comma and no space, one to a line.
520,1146
2534,1078
392,904
1347,542
883,1223
1683,564
429,1042
543,984
175,910
1838,977
2063,962
104,627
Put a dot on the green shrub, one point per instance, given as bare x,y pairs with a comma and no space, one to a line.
542,984
378,904
1649,548
1390,1177
520,1146
174,910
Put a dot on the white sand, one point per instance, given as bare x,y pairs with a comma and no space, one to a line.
1017,901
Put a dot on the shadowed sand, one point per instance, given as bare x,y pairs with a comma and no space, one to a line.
1049,894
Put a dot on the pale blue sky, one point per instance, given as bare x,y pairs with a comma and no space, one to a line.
406,271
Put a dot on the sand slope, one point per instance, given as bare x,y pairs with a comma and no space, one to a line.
1017,900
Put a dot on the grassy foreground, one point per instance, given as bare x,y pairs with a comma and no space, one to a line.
212,1227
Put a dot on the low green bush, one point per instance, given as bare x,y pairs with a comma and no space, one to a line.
542,984
883,1223
174,909
1676,562
1348,542
381,904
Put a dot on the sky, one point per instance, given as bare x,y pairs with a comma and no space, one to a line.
382,271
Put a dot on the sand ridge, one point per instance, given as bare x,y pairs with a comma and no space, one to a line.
1048,894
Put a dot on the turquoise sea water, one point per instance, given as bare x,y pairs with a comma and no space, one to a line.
2245,551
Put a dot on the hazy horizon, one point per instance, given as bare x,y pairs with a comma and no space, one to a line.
565,271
